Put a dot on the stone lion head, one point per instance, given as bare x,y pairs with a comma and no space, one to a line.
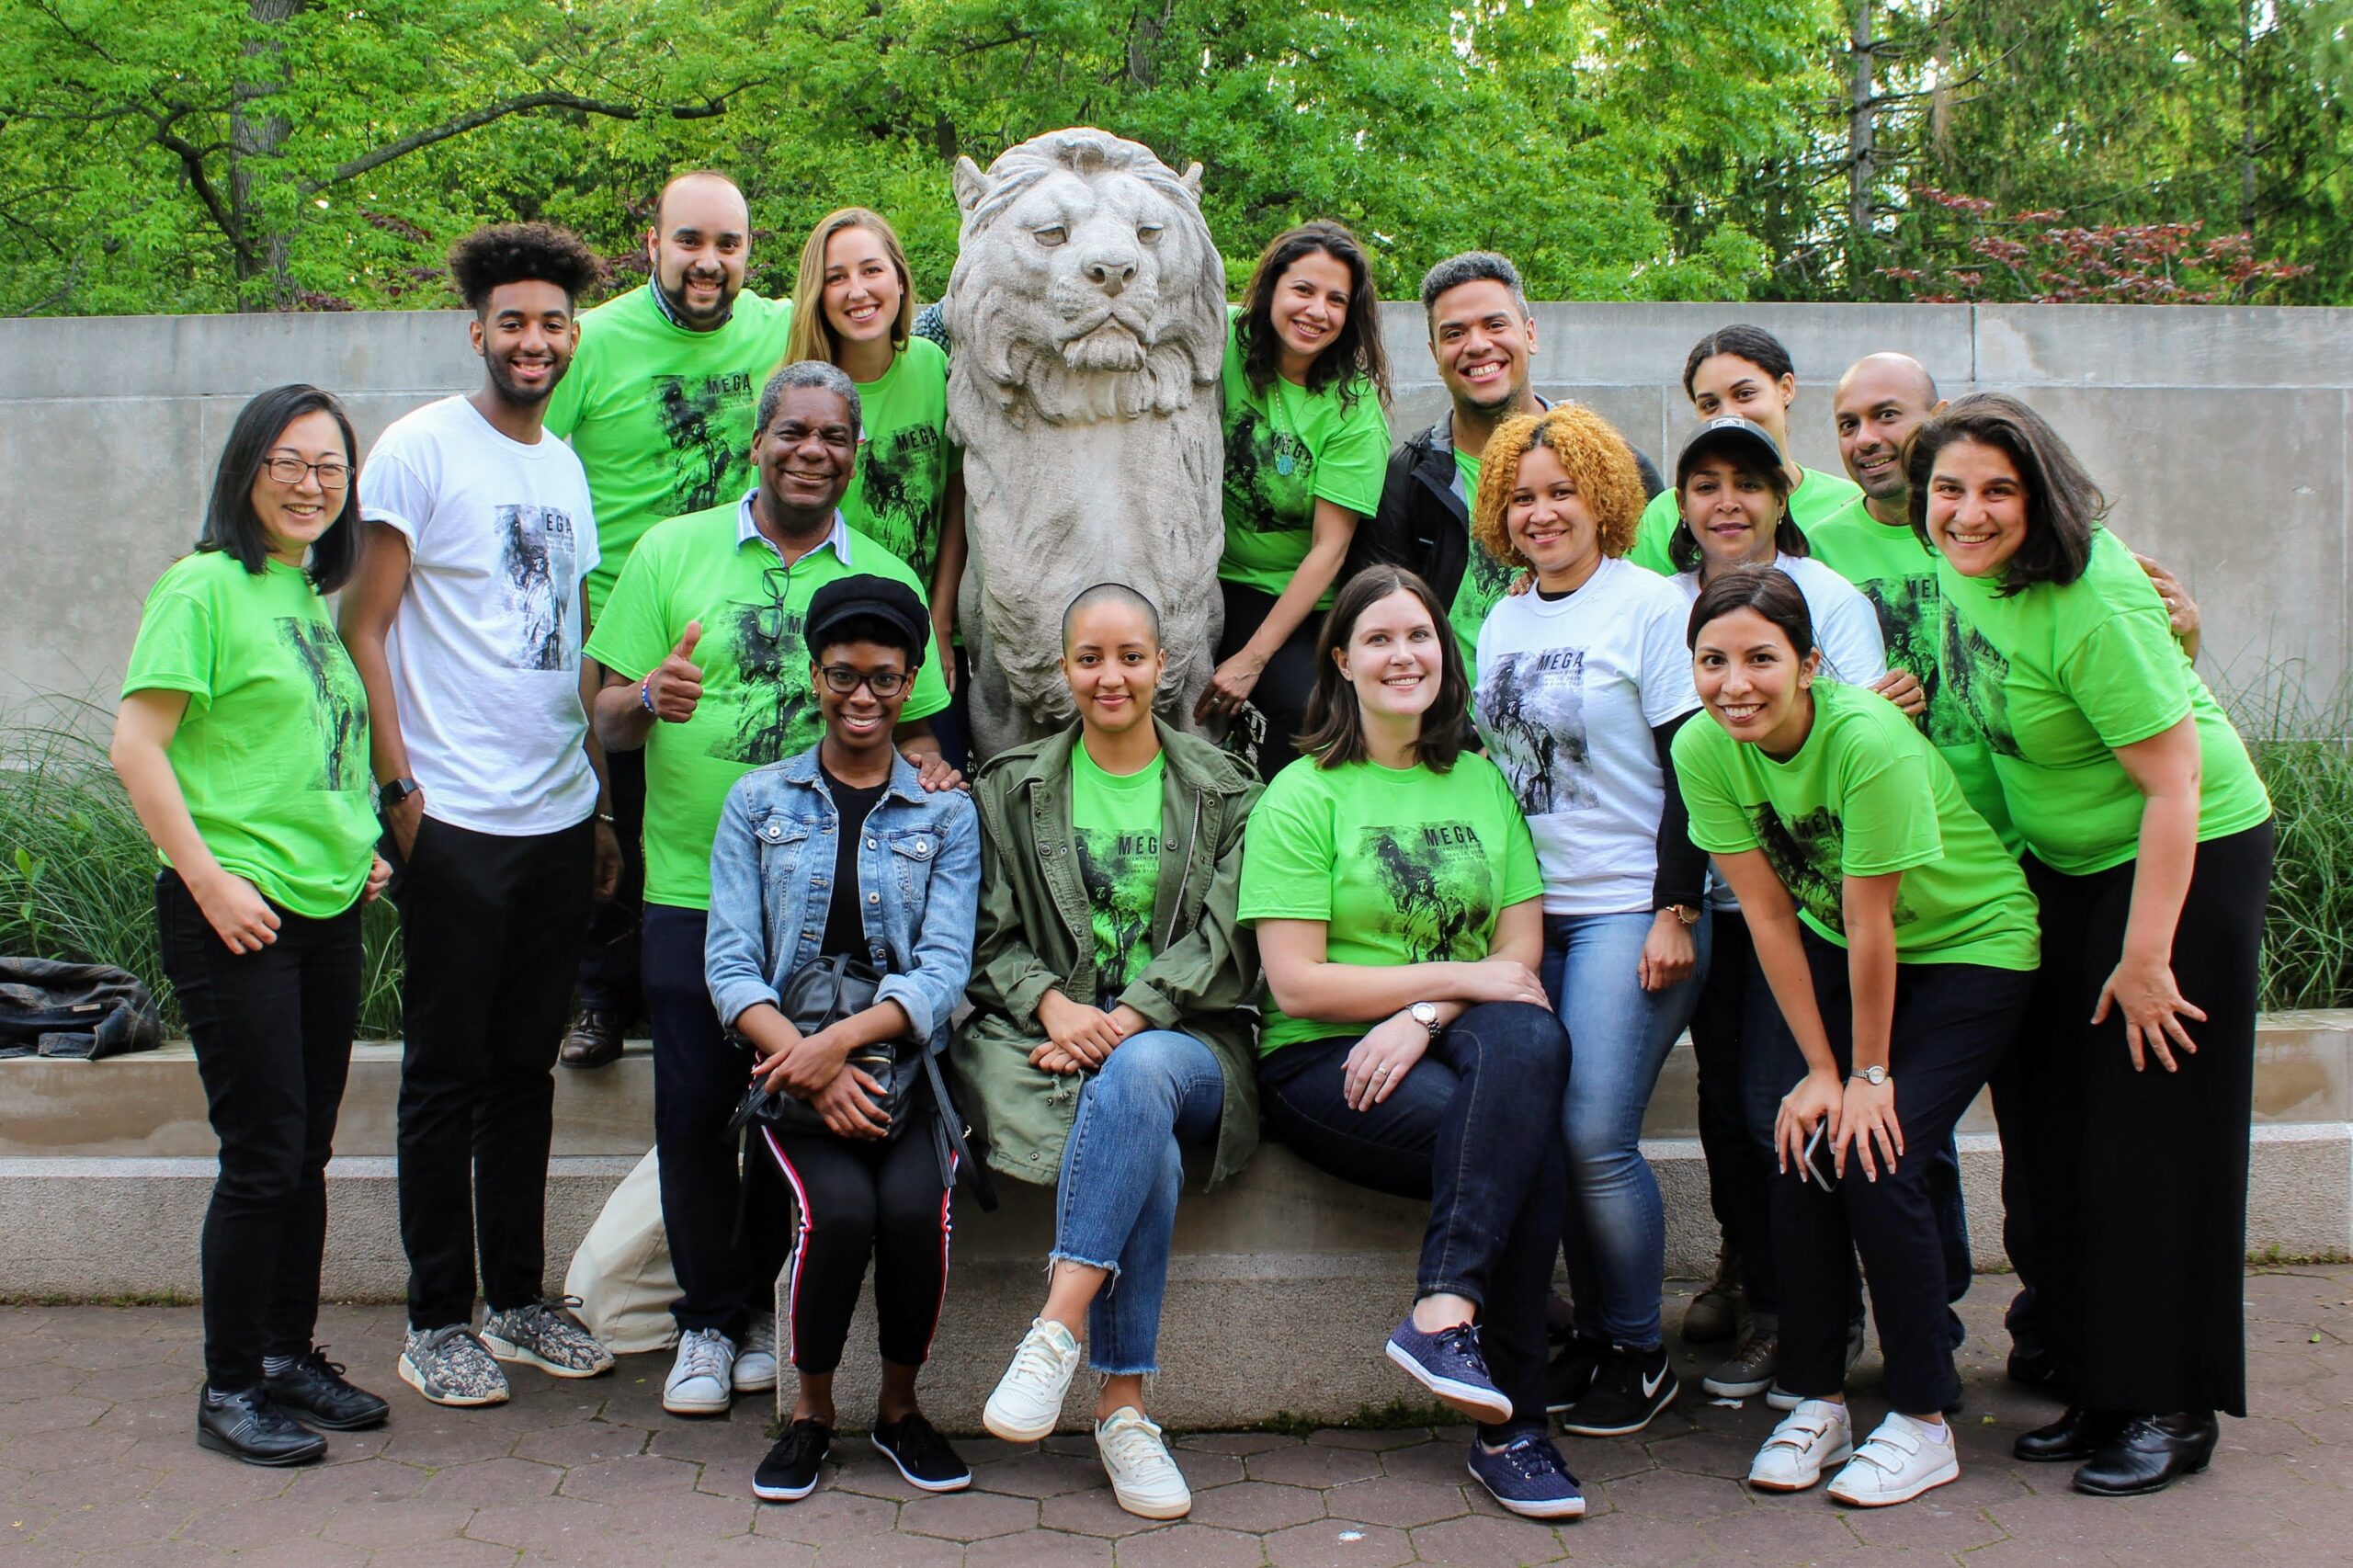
1086,287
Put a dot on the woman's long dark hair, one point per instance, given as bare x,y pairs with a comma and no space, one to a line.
233,527
1754,343
1352,360
2063,507
1683,545
1335,733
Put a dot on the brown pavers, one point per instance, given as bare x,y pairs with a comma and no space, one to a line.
97,1466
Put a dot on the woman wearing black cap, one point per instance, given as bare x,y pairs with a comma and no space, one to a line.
840,852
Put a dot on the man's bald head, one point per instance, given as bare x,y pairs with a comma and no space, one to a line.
1880,399
699,246
702,185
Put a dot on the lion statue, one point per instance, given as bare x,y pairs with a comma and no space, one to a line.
1088,313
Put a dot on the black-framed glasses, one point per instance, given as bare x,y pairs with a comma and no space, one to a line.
334,474
842,679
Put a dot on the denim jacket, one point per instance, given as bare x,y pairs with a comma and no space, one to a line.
771,887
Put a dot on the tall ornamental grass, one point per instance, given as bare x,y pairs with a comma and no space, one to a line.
77,873
2303,748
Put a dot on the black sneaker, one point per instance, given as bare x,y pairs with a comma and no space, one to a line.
1634,1385
246,1426
1572,1372
922,1455
313,1392
789,1472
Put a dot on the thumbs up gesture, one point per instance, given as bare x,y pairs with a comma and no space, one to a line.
676,685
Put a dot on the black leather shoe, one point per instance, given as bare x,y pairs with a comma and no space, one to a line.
313,1392
2073,1439
2149,1454
594,1041
246,1426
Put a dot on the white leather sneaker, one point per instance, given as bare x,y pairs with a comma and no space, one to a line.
1028,1400
1810,1440
1145,1480
1897,1464
755,1358
698,1383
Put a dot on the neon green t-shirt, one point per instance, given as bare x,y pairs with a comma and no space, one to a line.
1402,865
1818,495
1865,795
1285,450
905,458
661,417
1898,574
756,705
2060,676
272,753
1114,822
1484,578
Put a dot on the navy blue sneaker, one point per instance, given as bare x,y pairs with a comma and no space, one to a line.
1527,1477
1448,1364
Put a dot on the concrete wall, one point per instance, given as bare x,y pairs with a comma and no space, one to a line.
2221,433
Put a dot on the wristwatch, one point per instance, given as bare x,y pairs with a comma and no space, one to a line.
1874,1076
1426,1014
1685,913
395,790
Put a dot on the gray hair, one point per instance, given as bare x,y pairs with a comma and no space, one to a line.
809,373
1471,266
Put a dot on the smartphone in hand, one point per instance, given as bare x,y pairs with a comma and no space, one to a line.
1818,1162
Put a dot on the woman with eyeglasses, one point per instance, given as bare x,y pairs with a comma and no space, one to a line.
242,740
841,853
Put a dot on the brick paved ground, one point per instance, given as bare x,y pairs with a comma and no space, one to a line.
96,1466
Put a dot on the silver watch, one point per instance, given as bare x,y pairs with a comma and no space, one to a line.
1426,1014
1874,1076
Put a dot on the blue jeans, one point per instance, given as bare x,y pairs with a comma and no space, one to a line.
1122,1169
1614,1229
1471,1129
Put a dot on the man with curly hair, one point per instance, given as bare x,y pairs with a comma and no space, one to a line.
466,621
1482,337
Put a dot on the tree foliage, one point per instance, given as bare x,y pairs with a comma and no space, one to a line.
170,155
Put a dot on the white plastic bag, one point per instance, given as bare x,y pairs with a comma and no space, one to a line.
621,1273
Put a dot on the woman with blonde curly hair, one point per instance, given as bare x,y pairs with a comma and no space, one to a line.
1582,683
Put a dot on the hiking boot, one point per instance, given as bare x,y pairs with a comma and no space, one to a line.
1714,1314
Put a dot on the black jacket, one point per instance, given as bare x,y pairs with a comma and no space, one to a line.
1421,524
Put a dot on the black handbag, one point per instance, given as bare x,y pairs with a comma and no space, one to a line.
823,991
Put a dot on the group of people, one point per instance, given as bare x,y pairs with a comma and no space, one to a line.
1520,758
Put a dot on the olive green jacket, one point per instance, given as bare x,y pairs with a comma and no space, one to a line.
1035,932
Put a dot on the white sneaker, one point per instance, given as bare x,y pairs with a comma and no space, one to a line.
1145,1480
1815,1435
756,1359
1028,1400
698,1383
1897,1464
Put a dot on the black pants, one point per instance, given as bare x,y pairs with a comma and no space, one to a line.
608,979
272,1032
853,1201
1953,1025
2011,1085
699,1076
1289,675
2138,1180
490,927
1475,1127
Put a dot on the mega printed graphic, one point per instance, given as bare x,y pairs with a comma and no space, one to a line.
1440,886
1532,705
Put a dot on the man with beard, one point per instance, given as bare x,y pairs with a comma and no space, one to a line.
1482,339
707,674
658,405
1880,401
465,622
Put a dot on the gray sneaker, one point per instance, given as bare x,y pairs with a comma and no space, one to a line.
1748,1371
449,1366
546,1336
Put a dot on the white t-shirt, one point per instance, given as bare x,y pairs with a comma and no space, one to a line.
485,648
1568,693
1846,629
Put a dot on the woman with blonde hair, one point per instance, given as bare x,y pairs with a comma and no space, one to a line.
855,310
1581,686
